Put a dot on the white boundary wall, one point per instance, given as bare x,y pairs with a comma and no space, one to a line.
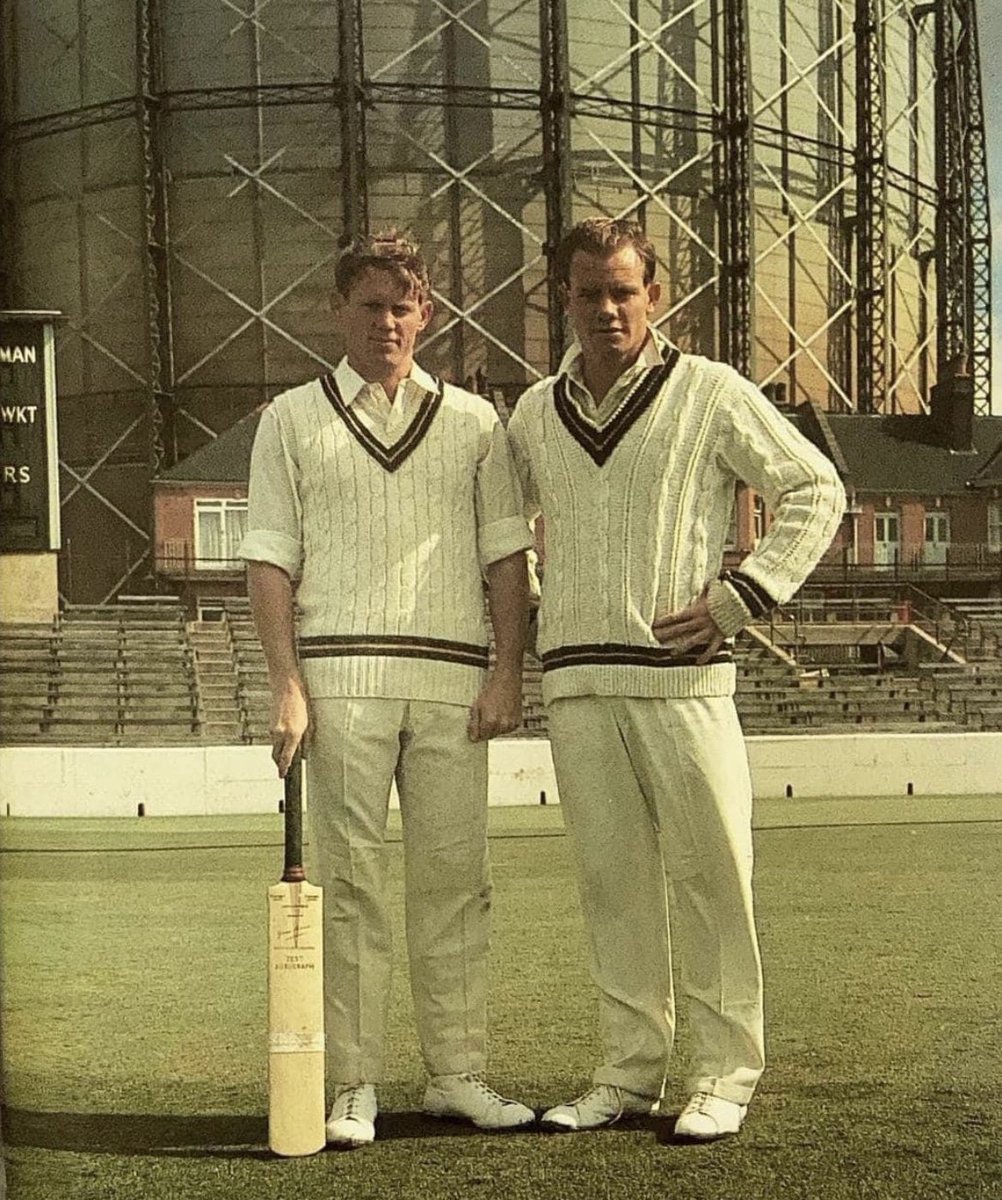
52,781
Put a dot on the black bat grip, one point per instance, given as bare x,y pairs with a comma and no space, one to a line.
294,872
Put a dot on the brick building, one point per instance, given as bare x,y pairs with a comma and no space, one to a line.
200,514
925,503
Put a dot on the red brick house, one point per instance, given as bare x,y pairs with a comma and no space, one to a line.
924,496
200,514
925,504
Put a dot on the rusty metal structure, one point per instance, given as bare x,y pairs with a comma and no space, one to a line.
177,180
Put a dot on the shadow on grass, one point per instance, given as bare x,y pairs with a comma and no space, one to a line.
237,1137
138,1133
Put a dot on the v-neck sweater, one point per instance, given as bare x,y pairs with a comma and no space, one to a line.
386,542
637,510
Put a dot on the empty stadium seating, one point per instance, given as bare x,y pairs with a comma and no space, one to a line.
253,695
27,664
137,672
99,675
980,618
221,721
971,693
832,698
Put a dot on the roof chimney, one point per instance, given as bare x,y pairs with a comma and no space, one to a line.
951,407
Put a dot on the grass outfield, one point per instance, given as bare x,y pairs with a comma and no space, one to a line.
134,1043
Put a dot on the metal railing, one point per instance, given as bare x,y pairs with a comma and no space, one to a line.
963,625
177,558
958,561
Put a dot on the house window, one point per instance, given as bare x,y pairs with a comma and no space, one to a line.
219,528
995,525
937,536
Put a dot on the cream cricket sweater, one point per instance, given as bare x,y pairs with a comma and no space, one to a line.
637,510
386,542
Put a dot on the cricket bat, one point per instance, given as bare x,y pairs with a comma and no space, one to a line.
296,1111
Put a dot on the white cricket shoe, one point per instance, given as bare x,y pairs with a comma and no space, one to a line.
470,1099
706,1118
353,1116
602,1105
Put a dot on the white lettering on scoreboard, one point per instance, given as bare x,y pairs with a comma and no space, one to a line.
18,414
18,354
29,458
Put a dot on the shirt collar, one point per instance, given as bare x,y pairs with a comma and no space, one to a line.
350,384
650,355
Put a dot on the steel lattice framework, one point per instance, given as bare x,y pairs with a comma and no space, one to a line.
871,206
733,170
179,184
962,230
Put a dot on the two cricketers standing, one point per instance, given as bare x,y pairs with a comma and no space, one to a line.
380,497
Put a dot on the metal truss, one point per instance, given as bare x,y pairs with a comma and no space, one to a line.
351,106
156,227
556,115
832,48
963,230
979,217
812,221
672,124
871,208
733,185
668,163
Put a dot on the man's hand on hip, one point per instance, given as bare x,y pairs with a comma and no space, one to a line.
688,628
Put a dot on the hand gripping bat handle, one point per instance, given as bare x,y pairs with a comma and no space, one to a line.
294,872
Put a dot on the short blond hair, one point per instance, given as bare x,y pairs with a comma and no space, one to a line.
389,250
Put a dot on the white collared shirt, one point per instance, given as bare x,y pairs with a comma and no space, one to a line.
599,411
385,418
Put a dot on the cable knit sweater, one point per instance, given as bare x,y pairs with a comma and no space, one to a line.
386,542
637,511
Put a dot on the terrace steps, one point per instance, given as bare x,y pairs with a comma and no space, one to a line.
139,674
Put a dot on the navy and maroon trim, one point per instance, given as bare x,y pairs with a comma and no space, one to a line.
388,457
384,645
752,594
590,654
600,442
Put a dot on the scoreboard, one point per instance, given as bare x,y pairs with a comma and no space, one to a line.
29,462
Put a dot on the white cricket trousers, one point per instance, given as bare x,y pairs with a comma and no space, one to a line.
656,796
359,746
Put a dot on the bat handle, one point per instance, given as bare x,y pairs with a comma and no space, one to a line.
294,872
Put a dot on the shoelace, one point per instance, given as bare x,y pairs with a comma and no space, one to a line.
488,1092
354,1100
699,1103
609,1094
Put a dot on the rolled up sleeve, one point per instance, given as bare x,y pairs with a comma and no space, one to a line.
274,524
501,528
518,442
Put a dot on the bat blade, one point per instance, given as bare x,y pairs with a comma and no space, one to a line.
296,1111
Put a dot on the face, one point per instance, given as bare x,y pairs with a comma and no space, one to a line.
380,320
609,304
